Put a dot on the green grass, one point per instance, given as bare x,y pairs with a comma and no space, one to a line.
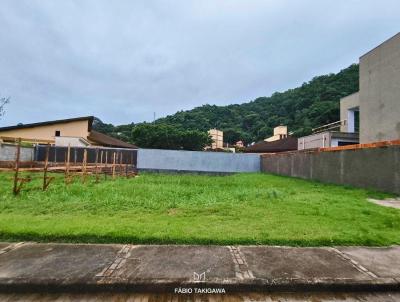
197,209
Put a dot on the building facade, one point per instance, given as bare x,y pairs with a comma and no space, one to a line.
373,113
375,109
280,132
48,131
217,137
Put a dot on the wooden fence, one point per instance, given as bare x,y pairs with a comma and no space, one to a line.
72,162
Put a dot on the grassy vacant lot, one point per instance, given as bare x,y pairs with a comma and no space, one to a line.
159,208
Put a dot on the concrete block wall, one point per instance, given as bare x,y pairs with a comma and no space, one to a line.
8,152
197,161
371,168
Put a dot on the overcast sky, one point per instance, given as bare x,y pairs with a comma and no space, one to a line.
123,60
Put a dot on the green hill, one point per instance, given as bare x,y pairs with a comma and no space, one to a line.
312,104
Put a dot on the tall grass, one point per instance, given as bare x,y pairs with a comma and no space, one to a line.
197,209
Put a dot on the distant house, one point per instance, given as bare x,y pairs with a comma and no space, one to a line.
279,142
76,132
281,145
327,138
280,132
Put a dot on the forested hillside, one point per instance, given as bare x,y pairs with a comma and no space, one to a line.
312,104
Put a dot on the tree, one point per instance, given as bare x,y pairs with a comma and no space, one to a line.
161,136
3,102
98,125
232,135
194,140
263,133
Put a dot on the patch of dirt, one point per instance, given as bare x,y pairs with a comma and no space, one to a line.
174,211
392,203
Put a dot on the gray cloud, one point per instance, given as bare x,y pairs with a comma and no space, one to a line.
123,60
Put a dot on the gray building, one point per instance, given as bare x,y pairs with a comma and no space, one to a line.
375,109
373,113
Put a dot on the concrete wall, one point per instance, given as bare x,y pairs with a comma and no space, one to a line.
65,141
197,161
380,92
318,140
8,151
375,168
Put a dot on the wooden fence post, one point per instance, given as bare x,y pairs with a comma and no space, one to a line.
84,162
16,167
46,179
95,168
113,166
67,175
120,164
101,161
18,181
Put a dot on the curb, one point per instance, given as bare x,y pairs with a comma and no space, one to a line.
228,286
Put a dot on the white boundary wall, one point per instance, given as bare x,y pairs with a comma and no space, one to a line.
197,161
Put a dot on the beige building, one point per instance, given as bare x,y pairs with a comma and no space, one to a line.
76,132
280,132
217,137
374,111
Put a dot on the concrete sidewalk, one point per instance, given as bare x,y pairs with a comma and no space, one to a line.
176,268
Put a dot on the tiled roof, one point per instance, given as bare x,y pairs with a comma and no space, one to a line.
282,145
108,141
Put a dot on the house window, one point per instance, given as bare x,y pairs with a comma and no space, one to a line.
58,133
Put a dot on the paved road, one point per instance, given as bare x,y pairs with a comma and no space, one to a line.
245,297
